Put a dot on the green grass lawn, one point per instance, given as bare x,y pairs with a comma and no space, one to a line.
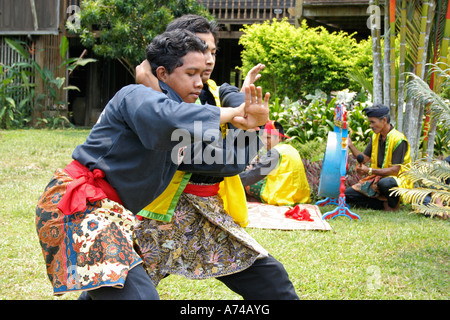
384,255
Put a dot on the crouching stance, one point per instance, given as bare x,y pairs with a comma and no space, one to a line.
85,218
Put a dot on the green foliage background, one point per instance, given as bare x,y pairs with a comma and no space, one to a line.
300,60
121,29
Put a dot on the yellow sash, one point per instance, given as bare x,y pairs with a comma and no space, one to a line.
393,139
163,207
234,201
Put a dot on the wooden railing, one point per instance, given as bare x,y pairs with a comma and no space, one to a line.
249,11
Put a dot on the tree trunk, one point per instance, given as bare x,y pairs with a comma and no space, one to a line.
377,75
443,52
428,13
386,64
446,38
436,80
409,127
391,91
422,52
401,67
431,137
418,112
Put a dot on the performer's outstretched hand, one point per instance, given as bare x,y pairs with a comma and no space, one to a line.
254,111
253,75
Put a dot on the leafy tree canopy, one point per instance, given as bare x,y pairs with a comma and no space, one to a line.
121,29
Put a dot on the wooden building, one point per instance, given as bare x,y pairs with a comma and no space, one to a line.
41,24
346,15
37,23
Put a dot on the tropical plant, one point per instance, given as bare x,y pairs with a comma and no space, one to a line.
441,144
431,177
307,121
121,30
416,33
432,180
358,124
375,27
311,120
7,103
420,91
54,118
17,94
19,75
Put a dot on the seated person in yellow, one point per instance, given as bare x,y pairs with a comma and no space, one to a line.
387,151
277,175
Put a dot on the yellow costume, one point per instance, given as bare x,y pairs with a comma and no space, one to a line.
393,139
286,185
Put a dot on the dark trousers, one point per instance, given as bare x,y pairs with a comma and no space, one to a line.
265,279
353,197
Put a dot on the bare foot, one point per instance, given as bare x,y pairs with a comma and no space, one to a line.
388,208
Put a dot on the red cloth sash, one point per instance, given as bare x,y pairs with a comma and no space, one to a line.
202,190
86,186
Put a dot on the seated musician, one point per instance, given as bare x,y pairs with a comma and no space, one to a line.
387,151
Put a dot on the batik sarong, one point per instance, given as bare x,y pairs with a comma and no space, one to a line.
85,250
201,241
368,186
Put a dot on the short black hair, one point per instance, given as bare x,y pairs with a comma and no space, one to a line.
279,127
195,24
169,48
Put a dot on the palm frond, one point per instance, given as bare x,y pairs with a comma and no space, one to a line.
442,74
361,78
433,210
419,90
441,169
417,195
429,173
424,179
413,196
430,177
412,30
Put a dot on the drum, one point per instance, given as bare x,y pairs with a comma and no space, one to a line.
334,166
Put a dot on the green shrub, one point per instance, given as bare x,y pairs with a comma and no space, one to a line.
300,60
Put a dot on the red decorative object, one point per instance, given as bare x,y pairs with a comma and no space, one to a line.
297,214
